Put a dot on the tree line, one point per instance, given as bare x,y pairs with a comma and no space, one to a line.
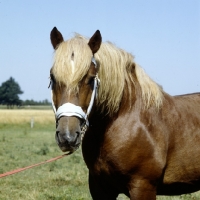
9,95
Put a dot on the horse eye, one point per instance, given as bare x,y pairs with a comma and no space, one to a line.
89,81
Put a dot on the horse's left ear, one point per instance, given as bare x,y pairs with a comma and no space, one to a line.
95,42
56,37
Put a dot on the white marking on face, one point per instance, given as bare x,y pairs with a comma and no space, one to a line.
67,134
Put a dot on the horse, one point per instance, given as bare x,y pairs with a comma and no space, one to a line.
136,139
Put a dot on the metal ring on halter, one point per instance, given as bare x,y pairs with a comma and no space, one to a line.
94,61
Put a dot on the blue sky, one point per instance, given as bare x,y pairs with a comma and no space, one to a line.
164,37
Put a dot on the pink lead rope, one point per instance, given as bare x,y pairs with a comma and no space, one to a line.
31,166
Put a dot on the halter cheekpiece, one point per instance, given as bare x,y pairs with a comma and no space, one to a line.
69,109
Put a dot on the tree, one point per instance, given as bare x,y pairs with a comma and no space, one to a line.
9,91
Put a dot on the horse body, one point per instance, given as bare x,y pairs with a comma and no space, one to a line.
150,143
151,148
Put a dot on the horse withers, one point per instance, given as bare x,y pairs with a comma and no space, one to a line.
137,139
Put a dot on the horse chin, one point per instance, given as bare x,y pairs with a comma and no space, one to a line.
66,147
69,149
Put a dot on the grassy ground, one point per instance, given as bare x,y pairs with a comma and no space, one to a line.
62,179
21,145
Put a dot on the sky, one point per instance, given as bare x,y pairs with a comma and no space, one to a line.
163,35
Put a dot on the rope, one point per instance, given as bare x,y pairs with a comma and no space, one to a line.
31,166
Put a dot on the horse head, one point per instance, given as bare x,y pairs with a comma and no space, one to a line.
72,97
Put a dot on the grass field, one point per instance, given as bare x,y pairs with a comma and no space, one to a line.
21,146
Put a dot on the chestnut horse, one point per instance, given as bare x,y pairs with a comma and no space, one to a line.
140,141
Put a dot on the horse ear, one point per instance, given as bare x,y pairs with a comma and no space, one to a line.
95,42
56,37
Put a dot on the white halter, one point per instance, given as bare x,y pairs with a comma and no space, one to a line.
69,109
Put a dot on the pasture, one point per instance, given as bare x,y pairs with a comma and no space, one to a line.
21,146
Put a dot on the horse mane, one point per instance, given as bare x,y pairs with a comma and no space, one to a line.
117,70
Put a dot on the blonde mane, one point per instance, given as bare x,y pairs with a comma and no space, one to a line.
116,70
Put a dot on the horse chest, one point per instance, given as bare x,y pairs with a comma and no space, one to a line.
97,159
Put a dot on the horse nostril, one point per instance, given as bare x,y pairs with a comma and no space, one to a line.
57,136
78,133
57,132
77,138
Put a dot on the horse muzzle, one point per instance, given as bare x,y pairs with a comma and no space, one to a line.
68,133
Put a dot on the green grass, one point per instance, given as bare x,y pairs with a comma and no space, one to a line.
63,179
21,146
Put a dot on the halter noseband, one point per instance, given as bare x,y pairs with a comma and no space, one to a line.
69,109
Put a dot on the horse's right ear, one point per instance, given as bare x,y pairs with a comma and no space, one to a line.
56,37
95,42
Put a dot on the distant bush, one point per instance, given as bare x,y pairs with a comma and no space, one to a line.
32,102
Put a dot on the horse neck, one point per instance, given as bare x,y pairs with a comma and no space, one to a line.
99,124
128,100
